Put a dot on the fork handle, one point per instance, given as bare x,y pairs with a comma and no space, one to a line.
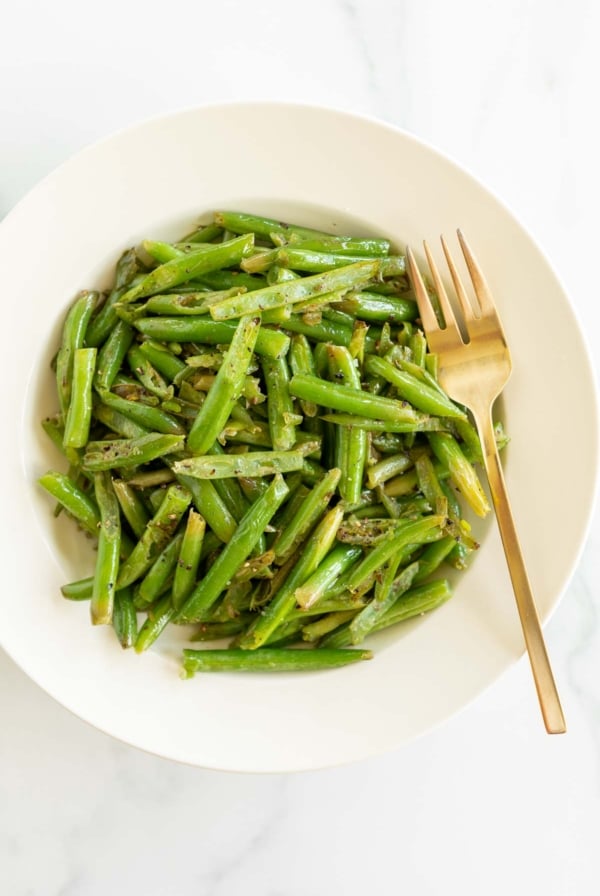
530,622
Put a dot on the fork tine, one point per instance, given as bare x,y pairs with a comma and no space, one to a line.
449,318
426,311
465,304
482,290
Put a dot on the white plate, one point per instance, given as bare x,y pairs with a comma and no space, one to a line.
332,171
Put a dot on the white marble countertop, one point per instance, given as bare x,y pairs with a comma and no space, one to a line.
487,803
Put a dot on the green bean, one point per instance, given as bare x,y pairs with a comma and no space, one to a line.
73,338
277,274
341,245
270,343
132,507
111,355
351,401
79,590
103,322
227,387
79,414
168,364
216,631
310,509
156,535
387,468
163,613
401,485
419,600
151,478
150,418
421,396
189,303
343,368
235,552
269,659
123,453
188,560
407,533
79,505
55,430
386,593
148,375
422,424
432,557
239,222
218,280
107,559
117,422
159,574
347,277
371,307
302,361
340,559
254,463
205,233
185,267
310,261
366,531
462,474
124,618
316,630
211,506
282,427
315,549
260,261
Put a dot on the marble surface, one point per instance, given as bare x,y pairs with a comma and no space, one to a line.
487,803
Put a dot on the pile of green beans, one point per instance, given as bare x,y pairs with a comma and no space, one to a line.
256,437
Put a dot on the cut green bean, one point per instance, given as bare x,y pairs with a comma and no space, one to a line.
421,396
254,463
311,508
73,338
186,569
112,354
124,618
188,266
351,401
462,474
103,322
159,575
347,277
150,418
79,590
123,453
107,558
132,507
375,308
407,533
341,558
282,418
341,245
276,612
386,594
76,502
226,389
269,659
235,552
163,613
271,343
79,414
156,535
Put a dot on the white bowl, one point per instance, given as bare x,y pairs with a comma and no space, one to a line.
333,171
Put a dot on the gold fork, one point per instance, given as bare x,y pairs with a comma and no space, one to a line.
474,370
